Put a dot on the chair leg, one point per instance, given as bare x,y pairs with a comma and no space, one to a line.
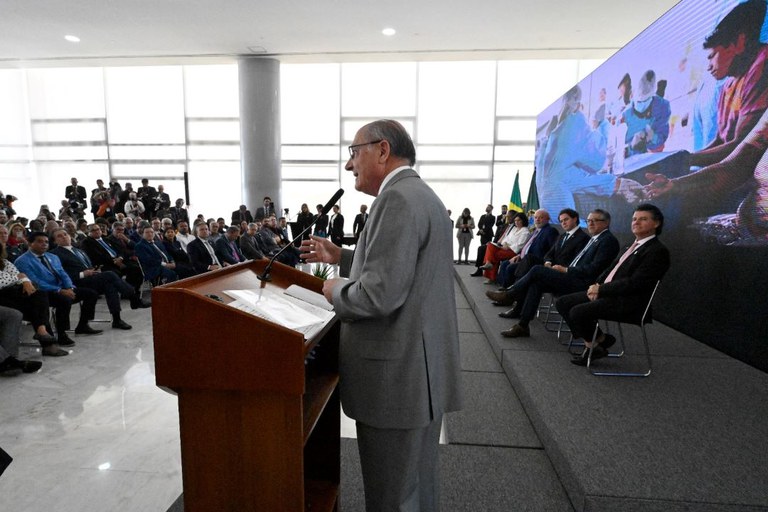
645,373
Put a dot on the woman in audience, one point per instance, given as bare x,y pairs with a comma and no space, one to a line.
17,241
304,219
509,245
18,292
465,225
173,247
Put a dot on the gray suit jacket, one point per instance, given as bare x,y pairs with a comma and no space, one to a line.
399,349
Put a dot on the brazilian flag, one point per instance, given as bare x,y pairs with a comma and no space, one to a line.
515,203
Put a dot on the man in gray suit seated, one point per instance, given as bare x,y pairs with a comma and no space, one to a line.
399,352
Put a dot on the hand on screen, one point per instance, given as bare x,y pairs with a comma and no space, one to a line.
658,185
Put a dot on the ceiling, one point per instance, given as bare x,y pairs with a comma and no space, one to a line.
144,31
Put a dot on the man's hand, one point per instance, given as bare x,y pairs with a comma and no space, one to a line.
68,293
28,287
514,259
119,262
328,287
560,268
90,272
593,291
213,267
320,250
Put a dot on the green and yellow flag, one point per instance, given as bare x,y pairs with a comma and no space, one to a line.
515,203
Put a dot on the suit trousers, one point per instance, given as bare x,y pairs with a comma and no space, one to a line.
63,306
581,314
111,286
10,325
529,289
400,467
34,307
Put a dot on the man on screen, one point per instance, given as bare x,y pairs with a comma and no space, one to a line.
399,353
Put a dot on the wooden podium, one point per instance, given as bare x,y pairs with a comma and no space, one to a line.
259,420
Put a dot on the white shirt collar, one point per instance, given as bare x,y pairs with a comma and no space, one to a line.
391,175
644,240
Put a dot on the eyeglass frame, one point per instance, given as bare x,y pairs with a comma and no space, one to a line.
352,148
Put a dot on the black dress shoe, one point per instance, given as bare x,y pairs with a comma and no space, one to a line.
44,338
54,352
8,368
121,324
598,352
608,341
26,366
517,331
65,341
510,313
86,329
476,273
140,304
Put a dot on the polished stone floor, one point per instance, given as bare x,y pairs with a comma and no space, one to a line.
91,431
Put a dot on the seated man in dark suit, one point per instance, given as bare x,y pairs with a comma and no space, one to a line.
226,247
558,250
180,257
47,274
593,258
83,274
107,257
155,262
201,252
249,243
622,291
270,246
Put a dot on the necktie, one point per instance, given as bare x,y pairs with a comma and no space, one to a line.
162,254
565,239
112,253
81,256
621,260
47,264
234,251
211,253
529,243
583,251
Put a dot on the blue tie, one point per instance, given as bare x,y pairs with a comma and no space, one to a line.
108,248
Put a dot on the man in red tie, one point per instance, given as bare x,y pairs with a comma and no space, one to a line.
622,291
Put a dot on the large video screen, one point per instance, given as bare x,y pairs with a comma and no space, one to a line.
678,118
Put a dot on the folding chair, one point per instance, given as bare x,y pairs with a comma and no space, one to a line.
645,319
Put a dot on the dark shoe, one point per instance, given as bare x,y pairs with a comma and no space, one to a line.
517,331
608,341
8,368
139,304
121,324
87,329
598,352
496,296
476,273
44,338
26,366
487,266
54,352
65,341
510,313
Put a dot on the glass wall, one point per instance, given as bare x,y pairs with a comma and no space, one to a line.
473,124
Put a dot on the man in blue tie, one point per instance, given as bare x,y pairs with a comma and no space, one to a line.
83,274
107,257
47,274
155,261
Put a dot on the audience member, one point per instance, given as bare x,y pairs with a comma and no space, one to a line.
10,365
83,274
250,244
465,226
226,247
184,237
360,220
304,220
240,215
147,194
267,208
47,274
178,213
133,207
17,242
336,223
108,257
201,251
622,291
541,240
485,225
321,226
180,257
155,262
511,243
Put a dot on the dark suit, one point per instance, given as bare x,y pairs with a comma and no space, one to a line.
105,283
262,212
199,255
152,255
540,279
224,251
178,215
359,224
240,216
625,297
337,228
539,247
249,245
485,227
564,250
100,257
321,226
71,193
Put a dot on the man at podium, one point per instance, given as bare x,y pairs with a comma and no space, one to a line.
399,350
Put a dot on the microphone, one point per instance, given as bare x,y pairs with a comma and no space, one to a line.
264,277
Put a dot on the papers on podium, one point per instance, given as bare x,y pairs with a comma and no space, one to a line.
295,308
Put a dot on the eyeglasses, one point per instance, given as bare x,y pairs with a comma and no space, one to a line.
353,148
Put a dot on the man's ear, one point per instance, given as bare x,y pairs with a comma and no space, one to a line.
384,150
